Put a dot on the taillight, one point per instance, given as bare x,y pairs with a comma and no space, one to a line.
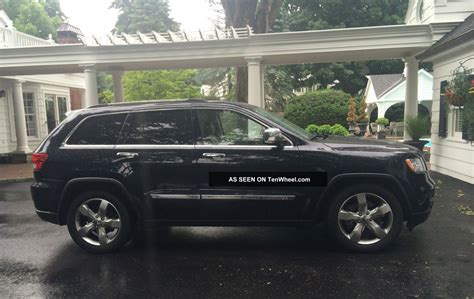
38,160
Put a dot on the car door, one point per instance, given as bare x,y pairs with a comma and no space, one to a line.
157,157
230,142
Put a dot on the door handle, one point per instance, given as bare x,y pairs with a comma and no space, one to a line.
213,155
127,155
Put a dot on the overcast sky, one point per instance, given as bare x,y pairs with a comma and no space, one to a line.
94,17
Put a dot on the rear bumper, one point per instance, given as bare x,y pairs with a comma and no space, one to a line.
45,195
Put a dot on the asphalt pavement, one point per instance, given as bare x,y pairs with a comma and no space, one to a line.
38,259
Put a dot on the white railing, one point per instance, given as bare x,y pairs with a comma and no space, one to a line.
10,38
168,37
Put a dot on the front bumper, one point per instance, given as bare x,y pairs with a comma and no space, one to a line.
48,216
422,199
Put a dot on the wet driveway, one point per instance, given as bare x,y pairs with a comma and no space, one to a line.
40,260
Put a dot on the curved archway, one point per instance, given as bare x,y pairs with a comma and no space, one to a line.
396,112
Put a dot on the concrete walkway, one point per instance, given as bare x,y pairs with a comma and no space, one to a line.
16,172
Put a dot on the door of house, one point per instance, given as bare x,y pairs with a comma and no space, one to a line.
56,108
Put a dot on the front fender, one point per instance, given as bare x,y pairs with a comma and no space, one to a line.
387,181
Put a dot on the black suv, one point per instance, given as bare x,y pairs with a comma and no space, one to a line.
109,170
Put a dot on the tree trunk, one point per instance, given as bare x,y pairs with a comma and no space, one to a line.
260,15
242,84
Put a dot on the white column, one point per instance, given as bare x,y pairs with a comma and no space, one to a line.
255,81
118,86
90,73
411,94
382,108
20,121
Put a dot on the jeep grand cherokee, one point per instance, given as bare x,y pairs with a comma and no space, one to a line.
108,170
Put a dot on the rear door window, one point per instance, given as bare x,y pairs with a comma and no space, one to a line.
101,129
160,127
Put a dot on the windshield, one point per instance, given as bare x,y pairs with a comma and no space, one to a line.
295,129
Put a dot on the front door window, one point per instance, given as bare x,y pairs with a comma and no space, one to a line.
224,127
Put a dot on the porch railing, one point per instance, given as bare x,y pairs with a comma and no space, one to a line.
10,38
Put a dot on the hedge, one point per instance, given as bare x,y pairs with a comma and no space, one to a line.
336,129
321,107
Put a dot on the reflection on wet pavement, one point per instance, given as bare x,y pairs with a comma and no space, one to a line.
38,259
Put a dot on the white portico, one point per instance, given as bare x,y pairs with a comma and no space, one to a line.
234,47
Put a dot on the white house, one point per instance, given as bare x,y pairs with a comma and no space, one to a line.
384,91
46,98
451,153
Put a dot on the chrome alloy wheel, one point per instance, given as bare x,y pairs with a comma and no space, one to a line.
365,218
98,221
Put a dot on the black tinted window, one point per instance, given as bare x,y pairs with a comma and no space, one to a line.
225,127
104,129
158,127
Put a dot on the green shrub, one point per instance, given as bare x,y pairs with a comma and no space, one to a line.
382,121
325,130
418,126
339,130
321,107
313,129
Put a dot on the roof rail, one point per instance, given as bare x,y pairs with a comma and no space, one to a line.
193,100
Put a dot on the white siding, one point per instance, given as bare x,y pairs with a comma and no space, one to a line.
451,155
437,11
453,11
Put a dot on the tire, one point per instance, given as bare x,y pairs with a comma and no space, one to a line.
364,230
99,222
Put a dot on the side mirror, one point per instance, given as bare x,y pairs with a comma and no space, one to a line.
273,136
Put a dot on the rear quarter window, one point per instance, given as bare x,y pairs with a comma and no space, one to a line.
101,129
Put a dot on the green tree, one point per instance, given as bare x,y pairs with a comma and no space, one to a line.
144,16
38,18
300,15
166,84
104,87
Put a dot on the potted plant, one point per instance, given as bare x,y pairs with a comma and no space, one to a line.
351,115
458,86
416,128
381,123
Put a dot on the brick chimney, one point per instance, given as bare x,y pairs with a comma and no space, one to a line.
69,34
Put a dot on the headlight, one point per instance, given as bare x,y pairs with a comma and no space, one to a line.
416,165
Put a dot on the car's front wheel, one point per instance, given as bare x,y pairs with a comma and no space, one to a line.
365,218
98,222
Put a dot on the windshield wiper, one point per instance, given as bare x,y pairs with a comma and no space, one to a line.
316,135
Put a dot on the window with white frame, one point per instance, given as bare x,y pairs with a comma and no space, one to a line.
457,120
30,113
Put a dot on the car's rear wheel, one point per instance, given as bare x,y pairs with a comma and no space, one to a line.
98,222
365,218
